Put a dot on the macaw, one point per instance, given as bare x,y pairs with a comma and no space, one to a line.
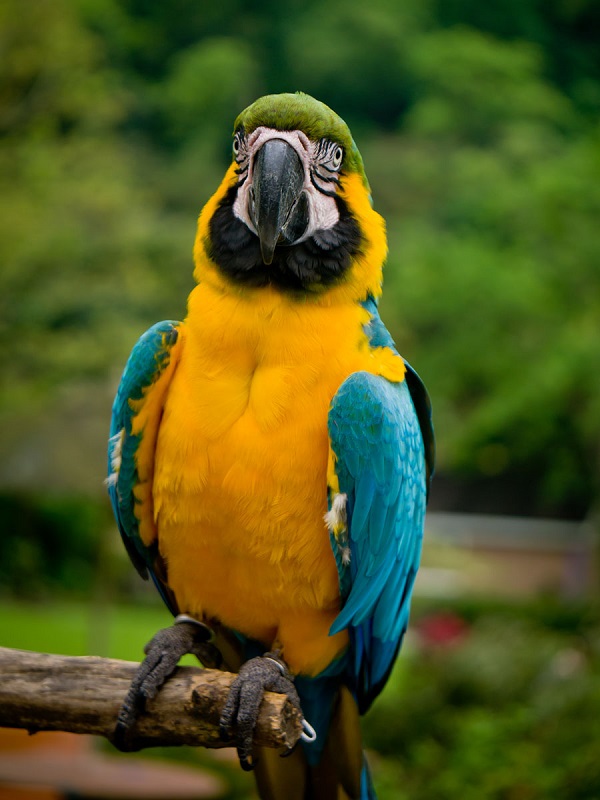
270,456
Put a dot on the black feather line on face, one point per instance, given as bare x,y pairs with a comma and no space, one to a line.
319,262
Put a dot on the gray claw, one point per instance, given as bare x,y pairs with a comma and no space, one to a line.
240,712
163,653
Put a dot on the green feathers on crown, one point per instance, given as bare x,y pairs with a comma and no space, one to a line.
299,111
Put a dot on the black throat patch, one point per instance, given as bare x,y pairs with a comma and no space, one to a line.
309,266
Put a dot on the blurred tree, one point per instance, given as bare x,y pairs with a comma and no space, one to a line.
86,258
480,143
494,265
49,545
472,86
510,711
207,85
354,56
568,34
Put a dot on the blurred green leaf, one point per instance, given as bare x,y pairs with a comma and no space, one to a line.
482,148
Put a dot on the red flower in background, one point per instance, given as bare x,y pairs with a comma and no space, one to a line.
443,629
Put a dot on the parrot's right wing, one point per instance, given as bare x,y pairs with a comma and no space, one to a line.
136,416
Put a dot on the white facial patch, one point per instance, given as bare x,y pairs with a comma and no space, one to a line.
322,208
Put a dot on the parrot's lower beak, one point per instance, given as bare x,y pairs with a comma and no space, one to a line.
278,206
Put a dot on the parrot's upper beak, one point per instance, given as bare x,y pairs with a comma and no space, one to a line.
278,207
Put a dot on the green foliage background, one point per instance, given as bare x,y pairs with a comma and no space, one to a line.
479,129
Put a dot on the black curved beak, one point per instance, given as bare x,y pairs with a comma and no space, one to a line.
278,206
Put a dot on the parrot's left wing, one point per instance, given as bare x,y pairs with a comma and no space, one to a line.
136,415
376,520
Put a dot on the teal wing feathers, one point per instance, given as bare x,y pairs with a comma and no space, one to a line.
147,362
383,449
379,336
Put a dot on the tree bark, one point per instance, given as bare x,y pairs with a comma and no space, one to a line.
41,692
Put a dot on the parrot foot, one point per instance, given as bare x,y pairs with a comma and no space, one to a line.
240,712
163,652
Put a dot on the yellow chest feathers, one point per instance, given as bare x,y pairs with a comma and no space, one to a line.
246,414
240,480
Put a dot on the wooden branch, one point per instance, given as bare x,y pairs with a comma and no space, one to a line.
41,692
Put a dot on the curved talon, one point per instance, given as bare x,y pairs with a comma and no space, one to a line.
163,652
248,763
240,712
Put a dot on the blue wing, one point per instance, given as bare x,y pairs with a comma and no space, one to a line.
379,336
383,445
145,380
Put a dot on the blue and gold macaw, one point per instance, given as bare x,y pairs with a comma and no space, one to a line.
269,457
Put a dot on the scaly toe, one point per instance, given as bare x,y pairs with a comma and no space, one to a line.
241,709
163,653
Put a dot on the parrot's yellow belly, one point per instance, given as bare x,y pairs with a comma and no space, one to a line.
240,481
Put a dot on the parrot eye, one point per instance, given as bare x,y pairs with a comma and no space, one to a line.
329,155
327,160
240,155
239,146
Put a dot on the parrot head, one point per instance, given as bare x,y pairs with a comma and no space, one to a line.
293,211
